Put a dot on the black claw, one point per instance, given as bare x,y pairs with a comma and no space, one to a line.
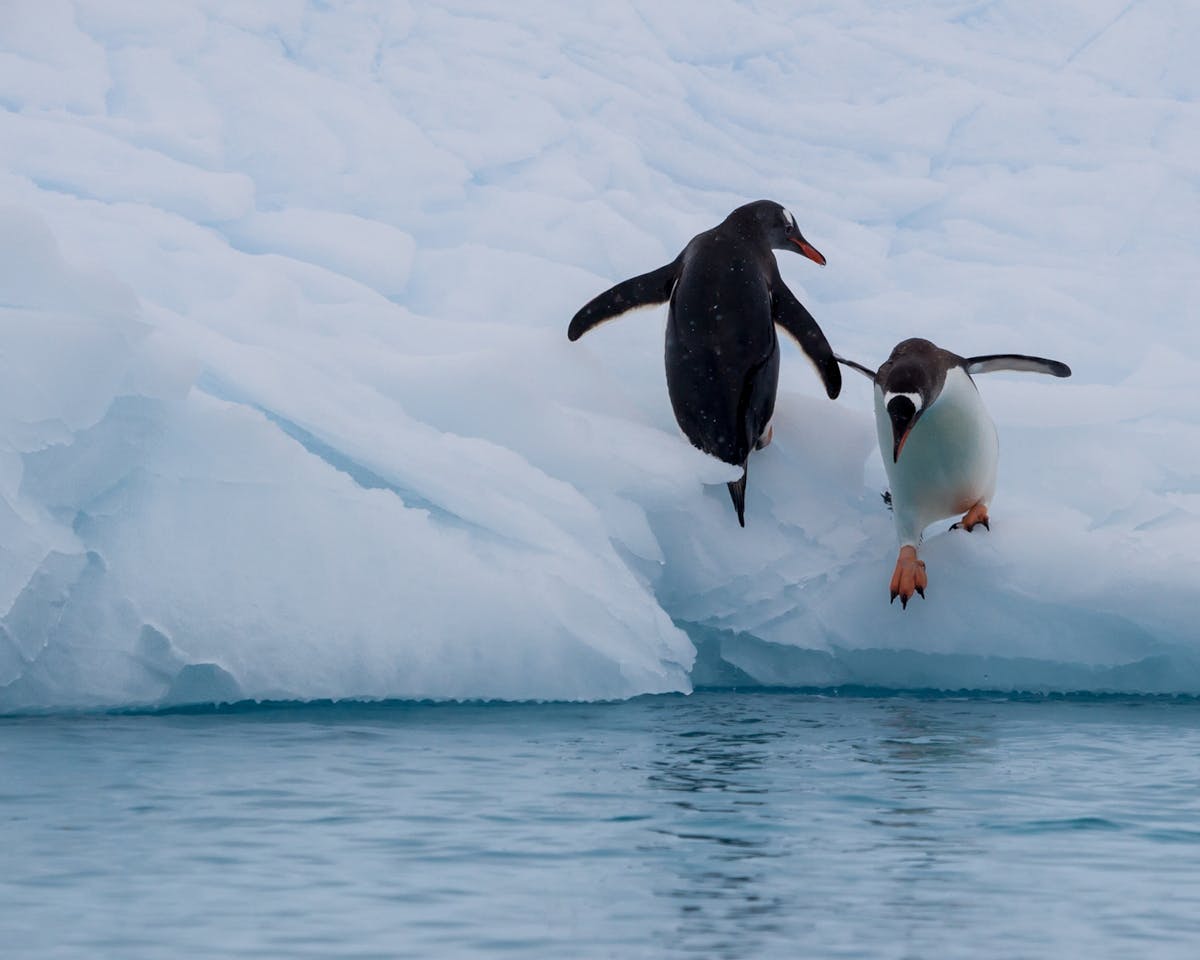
904,603
921,591
986,526
894,596
955,526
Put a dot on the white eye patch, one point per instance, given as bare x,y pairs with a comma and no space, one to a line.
913,398
789,219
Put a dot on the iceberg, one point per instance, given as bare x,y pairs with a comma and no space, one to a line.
287,408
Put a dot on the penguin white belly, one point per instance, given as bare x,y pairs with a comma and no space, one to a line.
947,464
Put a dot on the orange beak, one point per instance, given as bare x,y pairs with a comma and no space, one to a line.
809,250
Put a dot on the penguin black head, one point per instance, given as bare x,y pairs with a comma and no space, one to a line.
775,224
904,409
911,380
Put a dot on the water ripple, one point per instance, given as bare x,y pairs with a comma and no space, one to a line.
721,825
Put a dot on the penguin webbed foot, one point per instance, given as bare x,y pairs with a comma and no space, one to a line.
909,577
977,516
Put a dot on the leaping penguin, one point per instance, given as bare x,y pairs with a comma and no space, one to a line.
722,353
938,442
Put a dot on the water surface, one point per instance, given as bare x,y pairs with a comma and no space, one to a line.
724,824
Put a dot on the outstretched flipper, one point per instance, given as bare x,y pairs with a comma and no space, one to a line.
789,313
641,291
737,492
1016,361
865,371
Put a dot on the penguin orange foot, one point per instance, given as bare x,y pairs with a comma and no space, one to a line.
909,576
975,517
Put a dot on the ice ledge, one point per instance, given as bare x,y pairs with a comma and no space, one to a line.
728,659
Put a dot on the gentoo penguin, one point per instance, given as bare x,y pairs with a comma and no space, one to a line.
722,353
938,443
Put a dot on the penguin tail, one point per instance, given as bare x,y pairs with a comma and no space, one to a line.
737,493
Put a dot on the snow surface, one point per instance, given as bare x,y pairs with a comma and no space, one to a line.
287,407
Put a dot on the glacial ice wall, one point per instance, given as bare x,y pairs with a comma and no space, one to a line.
287,407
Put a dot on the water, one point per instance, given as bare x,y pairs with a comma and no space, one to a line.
725,824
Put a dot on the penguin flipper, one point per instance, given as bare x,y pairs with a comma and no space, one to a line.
1016,361
737,493
865,371
641,291
790,314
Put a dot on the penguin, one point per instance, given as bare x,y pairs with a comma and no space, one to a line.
722,354
938,443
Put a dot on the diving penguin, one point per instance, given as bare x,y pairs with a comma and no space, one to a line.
722,354
944,451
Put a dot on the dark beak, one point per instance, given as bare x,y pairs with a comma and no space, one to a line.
903,415
809,250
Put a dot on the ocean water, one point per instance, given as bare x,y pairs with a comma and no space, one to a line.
730,824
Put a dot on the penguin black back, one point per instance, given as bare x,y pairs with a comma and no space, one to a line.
722,353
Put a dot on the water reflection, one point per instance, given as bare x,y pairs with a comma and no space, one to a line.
719,830
929,755
756,837
919,747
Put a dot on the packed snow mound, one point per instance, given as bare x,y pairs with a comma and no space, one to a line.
287,407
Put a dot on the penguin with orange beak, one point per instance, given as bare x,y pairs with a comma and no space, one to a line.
722,353
938,443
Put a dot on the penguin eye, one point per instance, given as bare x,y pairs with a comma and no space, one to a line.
789,222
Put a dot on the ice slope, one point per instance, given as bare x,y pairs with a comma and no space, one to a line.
287,407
